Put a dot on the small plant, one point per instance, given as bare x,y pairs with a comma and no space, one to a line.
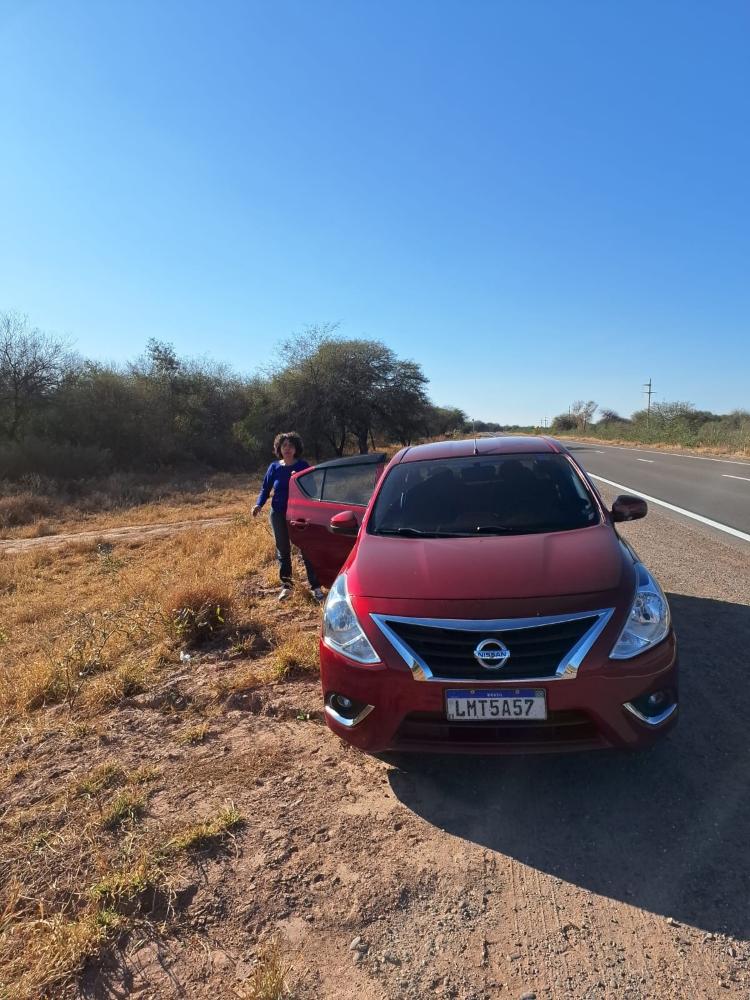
268,978
107,775
194,735
79,730
210,833
126,807
199,614
143,775
41,841
109,563
298,654
117,891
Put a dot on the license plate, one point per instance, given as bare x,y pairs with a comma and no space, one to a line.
463,705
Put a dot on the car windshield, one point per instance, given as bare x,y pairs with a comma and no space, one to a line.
483,495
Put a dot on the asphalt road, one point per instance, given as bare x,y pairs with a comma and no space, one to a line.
716,489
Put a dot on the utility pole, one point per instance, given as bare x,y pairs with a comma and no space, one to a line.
649,392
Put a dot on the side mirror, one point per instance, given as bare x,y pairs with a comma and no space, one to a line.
627,508
344,523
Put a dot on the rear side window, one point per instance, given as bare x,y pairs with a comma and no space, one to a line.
350,484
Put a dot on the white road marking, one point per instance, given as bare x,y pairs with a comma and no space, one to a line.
649,460
674,454
679,510
726,475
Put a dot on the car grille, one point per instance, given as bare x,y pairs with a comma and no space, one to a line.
535,652
561,728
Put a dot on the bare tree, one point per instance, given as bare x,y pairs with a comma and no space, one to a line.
32,364
583,412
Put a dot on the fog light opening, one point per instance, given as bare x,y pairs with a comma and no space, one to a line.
346,711
654,707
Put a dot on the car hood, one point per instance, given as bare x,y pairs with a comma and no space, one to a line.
587,560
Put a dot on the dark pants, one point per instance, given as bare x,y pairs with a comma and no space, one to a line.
284,552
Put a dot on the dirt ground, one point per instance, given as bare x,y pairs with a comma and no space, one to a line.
598,875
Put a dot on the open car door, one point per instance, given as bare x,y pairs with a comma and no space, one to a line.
316,494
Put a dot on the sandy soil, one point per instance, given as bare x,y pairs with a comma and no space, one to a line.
581,876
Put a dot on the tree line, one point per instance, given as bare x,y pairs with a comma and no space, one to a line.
66,416
676,422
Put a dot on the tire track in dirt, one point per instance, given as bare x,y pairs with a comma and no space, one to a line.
129,533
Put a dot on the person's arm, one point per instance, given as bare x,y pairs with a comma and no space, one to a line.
265,489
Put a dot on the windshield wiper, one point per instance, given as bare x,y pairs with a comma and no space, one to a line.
411,533
494,529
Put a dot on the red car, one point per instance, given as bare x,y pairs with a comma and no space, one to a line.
482,600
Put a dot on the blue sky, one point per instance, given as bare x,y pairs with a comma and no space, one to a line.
538,201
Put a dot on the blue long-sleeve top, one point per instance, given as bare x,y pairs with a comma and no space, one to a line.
277,479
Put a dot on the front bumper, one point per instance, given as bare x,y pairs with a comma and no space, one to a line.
593,710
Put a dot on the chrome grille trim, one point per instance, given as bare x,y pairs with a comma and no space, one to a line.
566,669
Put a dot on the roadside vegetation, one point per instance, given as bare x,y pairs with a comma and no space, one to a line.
65,418
677,425
186,627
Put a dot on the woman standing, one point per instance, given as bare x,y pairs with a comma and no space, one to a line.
288,450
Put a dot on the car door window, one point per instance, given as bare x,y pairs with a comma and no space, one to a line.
311,483
352,484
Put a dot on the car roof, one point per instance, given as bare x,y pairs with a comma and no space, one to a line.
372,458
506,445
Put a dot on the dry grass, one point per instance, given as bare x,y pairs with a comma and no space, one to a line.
269,975
198,614
82,631
208,834
194,735
23,508
296,654
43,950
40,949
108,775
124,499
118,890
127,806
81,868
77,630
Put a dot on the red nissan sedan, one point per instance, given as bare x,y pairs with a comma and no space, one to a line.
482,600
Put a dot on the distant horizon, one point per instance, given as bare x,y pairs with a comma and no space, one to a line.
529,200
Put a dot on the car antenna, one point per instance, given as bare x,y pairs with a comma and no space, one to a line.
474,432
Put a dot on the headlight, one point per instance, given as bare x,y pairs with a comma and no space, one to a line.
341,630
648,621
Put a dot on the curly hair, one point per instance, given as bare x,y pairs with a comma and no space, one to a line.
291,436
